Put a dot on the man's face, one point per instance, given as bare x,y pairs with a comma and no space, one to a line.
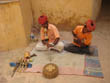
85,30
45,25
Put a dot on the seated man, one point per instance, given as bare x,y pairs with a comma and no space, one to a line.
49,35
82,39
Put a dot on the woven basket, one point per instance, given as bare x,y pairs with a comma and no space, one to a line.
50,71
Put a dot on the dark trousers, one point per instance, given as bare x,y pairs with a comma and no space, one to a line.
75,49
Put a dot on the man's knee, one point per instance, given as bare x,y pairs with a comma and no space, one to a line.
68,47
40,46
60,44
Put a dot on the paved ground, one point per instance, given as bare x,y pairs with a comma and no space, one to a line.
101,38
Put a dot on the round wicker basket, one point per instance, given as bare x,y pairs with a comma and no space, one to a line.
50,71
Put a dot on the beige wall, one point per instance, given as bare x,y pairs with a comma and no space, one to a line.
96,8
11,27
64,12
16,18
15,25
69,12
27,16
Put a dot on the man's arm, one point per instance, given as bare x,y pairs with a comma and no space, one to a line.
86,41
56,41
57,35
74,34
80,42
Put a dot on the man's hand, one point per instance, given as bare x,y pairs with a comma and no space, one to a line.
78,41
56,41
50,45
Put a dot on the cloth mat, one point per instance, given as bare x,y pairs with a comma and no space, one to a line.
92,66
68,63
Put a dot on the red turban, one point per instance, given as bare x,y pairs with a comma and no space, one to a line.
42,19
91,25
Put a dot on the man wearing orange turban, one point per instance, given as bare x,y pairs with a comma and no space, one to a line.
49,35
82,38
